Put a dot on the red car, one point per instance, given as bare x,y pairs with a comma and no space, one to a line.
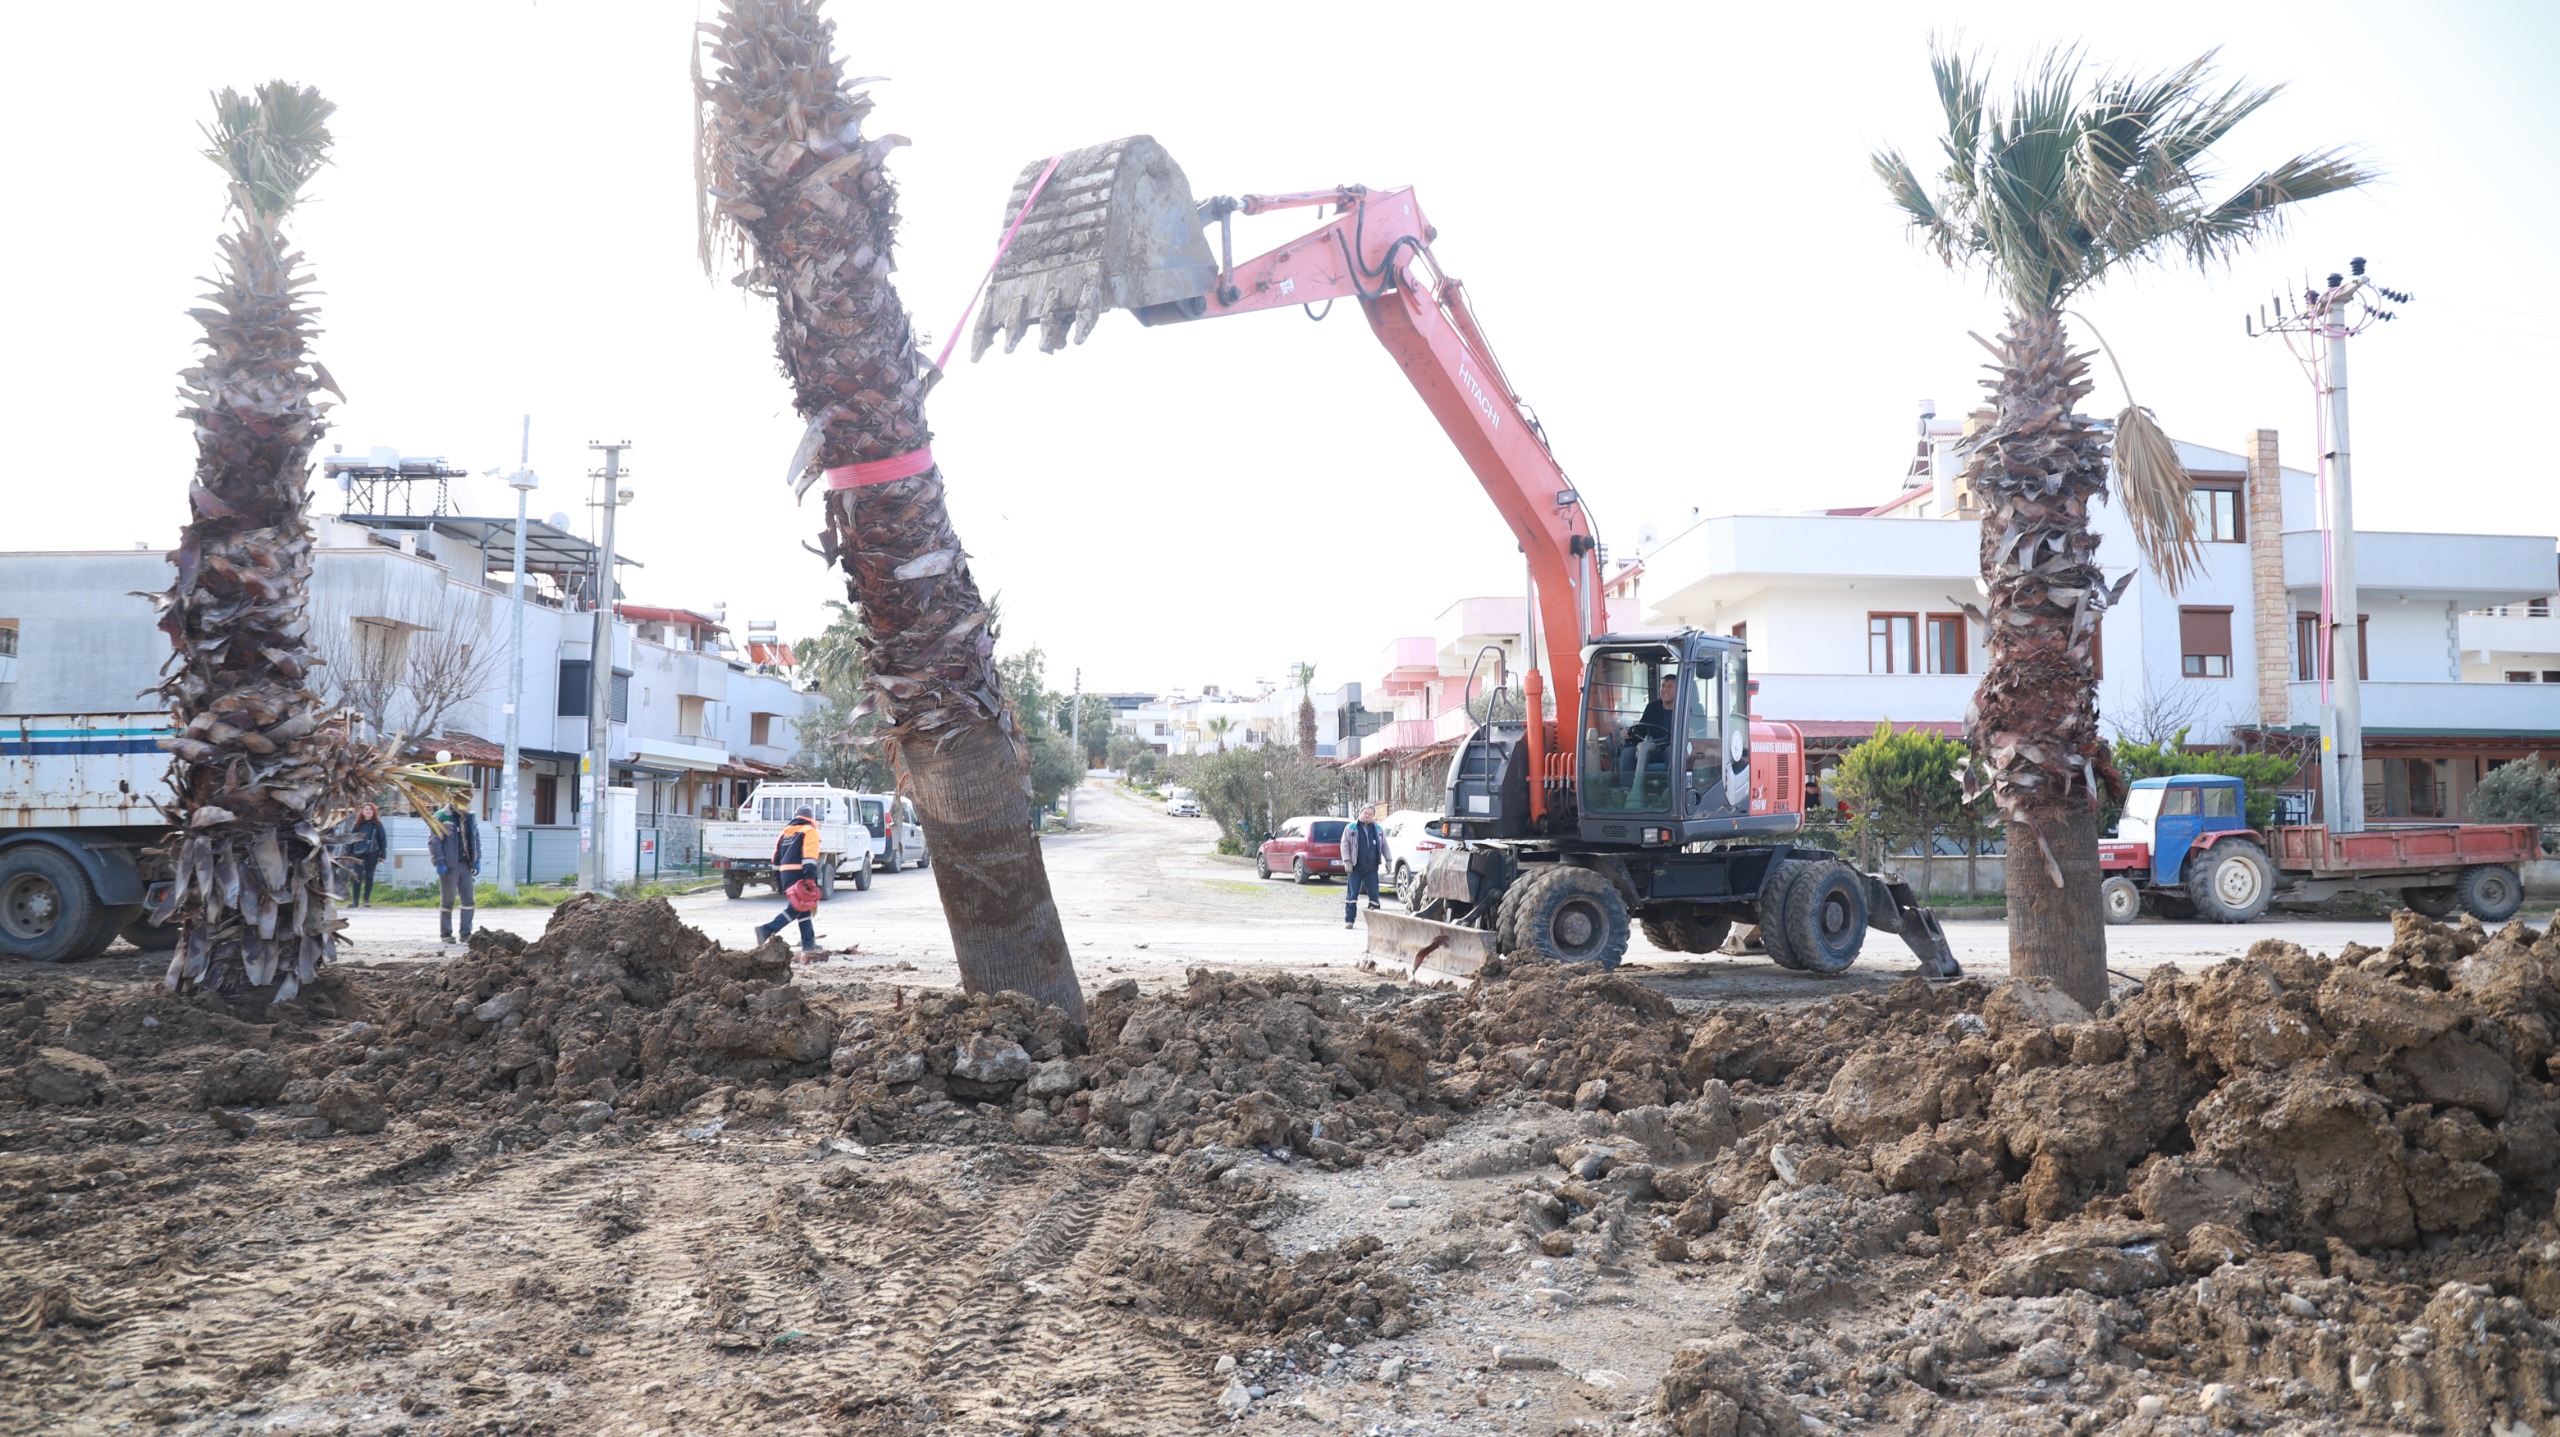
1310,848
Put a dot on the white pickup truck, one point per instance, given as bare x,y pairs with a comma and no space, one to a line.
743,847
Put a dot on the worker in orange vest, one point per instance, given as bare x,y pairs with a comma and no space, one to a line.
795,853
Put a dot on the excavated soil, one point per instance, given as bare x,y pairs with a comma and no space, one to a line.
623,1179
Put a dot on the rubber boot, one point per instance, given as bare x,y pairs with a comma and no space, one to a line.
468,916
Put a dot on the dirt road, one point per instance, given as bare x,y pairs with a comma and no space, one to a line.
1145,896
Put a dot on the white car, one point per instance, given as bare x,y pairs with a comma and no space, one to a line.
1410,844
897,839
1182,804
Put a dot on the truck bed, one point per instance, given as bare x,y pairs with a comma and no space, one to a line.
2410,849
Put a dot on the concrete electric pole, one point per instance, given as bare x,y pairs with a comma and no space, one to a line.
523,482
2329,316
596,767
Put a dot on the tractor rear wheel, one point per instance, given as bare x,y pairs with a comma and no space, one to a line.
2231,882
2121,900
1575,916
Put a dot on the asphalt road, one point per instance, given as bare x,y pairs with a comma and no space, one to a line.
1142,894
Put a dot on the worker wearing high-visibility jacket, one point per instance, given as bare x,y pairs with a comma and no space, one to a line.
795,854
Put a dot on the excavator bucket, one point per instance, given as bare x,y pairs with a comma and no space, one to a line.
1113,227
1417,943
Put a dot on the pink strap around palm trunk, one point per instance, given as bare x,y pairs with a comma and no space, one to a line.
916,461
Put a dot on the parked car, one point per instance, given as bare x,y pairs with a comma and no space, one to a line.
1182,804
1309,849
1410,843
897,839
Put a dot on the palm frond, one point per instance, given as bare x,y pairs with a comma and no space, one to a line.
2157,496
2067,178
270,143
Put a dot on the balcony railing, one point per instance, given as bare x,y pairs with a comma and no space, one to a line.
2447,707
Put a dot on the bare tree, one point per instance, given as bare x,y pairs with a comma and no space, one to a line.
2168,712
406,671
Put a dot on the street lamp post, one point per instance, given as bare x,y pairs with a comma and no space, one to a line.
524,483
1270,813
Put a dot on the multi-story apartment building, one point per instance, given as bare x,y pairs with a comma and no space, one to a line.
411,614
1858,616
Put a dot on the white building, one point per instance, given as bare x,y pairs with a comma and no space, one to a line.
1855,617
412,616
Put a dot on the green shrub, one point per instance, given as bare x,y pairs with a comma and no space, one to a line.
2524,790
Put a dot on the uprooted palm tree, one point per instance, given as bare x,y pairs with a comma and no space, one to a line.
2072,179
259,763
788,175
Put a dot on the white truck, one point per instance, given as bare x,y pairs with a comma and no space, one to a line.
79,809
743,848
897,839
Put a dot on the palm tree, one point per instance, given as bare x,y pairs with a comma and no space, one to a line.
1303,674
2073,179
1218,730
259,762
789,179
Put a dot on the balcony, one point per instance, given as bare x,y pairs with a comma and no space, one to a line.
2512,633
2446,708
1731,558
1863,698
2472,570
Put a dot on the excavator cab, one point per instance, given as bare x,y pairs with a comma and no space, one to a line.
1666,738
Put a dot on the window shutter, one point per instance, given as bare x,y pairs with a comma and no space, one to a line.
2204,631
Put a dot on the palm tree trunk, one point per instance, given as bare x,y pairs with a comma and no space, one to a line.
258,762
786,164
2034,720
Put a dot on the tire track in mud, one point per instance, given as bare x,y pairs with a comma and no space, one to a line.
1034,1335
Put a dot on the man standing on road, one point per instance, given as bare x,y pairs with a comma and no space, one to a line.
455,847
795,854
1364,850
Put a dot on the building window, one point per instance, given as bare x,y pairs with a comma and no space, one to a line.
2204,643
2519,676
1893,642
2311,656
1742,634
546,798
8,638
1946,644
573,691
2216,506
2538,609
760,729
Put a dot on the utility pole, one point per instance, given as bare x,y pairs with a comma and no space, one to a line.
523,482
1075,736
596,768
2330,316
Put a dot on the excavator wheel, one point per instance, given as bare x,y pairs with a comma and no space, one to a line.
1825,917
1774,937
1506,912
1575,916
1686,931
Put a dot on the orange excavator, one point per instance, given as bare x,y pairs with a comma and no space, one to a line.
1641,791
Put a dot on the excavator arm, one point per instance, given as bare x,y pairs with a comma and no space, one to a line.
1115,226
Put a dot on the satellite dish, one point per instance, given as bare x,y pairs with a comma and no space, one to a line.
558,521
1645,535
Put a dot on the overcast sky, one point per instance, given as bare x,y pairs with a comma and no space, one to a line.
1664,215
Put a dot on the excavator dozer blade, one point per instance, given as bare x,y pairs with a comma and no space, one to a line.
1417,943
1114,228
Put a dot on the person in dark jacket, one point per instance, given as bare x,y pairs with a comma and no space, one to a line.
795,853
367,846
1364,851
456,852
800,901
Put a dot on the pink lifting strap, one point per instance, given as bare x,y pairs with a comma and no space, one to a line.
881,471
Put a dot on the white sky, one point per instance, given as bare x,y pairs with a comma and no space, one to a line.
1664,214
